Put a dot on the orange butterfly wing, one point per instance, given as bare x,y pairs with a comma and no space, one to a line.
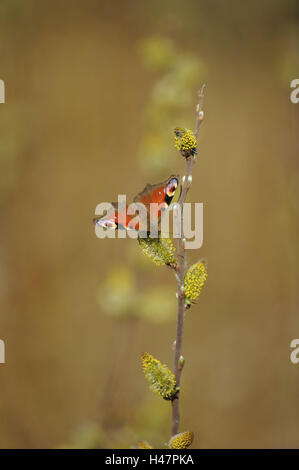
160,194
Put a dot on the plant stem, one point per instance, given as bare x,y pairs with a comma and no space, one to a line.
181,254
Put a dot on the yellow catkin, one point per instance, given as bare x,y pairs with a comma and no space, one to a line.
194,281
160,378
185,141
182,440
159,250
144,445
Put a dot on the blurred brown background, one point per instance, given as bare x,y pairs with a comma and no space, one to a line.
93,92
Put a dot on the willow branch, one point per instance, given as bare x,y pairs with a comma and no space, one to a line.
181,267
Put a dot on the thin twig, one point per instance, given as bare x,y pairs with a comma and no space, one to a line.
199,109
181,252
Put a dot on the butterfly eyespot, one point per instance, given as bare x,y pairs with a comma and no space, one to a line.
171,187
110,224
106,224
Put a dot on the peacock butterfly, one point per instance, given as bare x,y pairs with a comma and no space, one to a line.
160,195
